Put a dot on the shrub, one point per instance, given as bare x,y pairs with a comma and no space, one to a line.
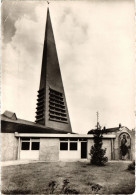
131,166
52,186
97,153
67,189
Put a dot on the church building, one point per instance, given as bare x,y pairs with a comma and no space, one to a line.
50,137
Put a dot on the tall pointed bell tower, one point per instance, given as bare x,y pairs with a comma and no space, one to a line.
51,107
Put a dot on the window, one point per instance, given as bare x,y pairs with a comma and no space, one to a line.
63,139
35,145
25,138
25,145
30,143
73,145
69,144
73,139
82,139
63,145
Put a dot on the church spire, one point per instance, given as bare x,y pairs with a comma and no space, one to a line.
51,106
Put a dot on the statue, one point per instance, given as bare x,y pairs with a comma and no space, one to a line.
124,147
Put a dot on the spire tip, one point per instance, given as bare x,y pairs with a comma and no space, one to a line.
48,4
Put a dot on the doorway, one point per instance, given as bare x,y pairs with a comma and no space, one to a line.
83,150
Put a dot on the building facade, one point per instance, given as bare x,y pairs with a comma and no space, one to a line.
24,140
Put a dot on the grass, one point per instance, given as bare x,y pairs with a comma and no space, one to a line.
67,178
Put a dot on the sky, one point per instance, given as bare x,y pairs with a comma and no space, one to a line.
95,46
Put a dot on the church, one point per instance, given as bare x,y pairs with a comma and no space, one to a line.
50,137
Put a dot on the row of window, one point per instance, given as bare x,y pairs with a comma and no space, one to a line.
30,144
70,144
64,145
36,145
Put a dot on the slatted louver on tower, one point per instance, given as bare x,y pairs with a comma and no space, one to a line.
57,110
40,107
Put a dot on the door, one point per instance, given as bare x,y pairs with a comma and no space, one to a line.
83,149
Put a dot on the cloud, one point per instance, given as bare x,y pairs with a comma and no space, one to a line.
21,60
13,11
94,41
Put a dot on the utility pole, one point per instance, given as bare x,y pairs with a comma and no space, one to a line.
98,125
97,113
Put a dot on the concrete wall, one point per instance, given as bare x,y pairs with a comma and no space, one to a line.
29,154
71,154
9,147
106,144
49,149
116,148
90,143
132,145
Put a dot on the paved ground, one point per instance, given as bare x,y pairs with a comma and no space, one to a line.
20,162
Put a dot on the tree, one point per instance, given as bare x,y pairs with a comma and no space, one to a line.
96,152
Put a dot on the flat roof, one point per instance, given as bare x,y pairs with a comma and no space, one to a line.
68,135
